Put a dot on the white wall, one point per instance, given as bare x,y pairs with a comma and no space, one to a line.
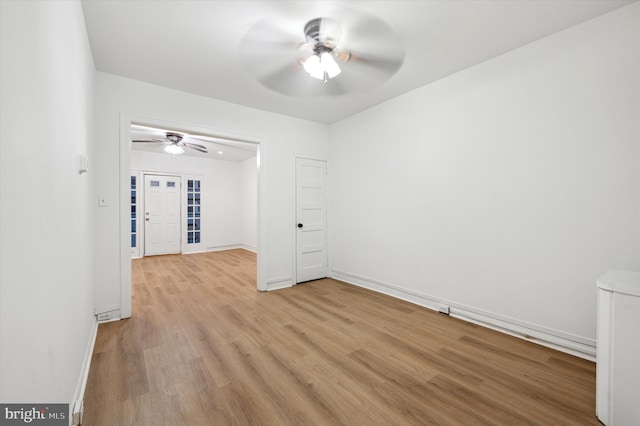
46,297
281,137
248,204
508,187
228,188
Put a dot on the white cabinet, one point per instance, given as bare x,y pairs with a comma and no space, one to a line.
618,350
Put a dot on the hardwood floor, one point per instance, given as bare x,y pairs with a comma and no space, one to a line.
205,348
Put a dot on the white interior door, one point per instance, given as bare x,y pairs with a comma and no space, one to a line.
311,216
161,215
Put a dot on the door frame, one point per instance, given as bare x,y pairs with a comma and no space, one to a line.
126,120
297,156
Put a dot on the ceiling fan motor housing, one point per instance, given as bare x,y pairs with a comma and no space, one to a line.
174,137
322,34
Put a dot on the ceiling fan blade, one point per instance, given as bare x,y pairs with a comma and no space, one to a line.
366,32
371,42
137,128
198,138
227,141
389,64
196,146
273,35
267,48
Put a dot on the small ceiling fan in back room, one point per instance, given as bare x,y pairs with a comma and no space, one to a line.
174,142
341,52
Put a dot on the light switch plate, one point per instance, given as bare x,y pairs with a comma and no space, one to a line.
102,201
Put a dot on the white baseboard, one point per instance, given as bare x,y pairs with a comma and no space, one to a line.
279,283
224,247
248,248
78,396
565,342
219,248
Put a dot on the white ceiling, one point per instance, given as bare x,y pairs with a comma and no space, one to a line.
193,46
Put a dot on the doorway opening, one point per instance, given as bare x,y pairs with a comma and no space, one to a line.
200,200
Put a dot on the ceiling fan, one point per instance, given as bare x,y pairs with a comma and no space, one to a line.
174,142
337,53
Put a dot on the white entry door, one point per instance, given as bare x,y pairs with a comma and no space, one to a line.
311,216
161,214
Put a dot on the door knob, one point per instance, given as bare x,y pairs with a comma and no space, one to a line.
147,219
300,225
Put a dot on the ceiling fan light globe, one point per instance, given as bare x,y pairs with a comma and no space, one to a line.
317,65
173,149
313,67
329,65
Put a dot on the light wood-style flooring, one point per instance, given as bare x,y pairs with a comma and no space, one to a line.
205,348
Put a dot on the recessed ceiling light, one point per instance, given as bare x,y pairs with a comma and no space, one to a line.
220,152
